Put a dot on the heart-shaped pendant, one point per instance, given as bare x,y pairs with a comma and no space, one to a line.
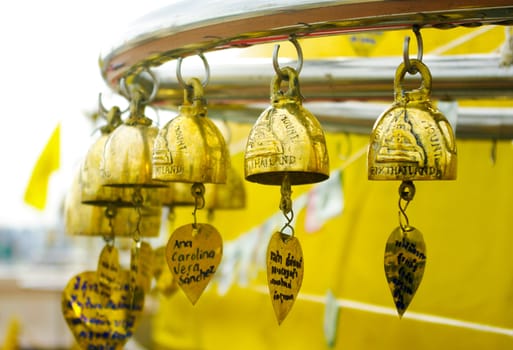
405,259
141,266
96,325
193,254
284,272
107,271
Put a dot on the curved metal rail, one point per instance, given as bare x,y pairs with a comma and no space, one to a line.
186,28
247,81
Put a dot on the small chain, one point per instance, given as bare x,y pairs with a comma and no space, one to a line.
198,192
406,193
110,214
286,204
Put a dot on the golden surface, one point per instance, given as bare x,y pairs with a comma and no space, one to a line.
412,140
405,259
284,272
127,156
193,255
190,147
286,139
92,182
127,153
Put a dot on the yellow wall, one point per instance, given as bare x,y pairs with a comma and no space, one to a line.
468,229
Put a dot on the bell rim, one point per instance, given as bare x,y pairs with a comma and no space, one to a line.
296,177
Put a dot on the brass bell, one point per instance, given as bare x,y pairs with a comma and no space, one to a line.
412,140
93,220
128,150
190,148
91,179
286,139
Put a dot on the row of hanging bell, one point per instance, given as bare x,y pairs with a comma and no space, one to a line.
411,140
103,307
286,146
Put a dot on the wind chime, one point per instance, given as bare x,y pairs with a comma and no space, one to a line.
286,146
102,307
191,149
410,141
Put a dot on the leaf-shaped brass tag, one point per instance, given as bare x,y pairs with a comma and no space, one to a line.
93,324
405,259
141,265
107,272
284,272
193,255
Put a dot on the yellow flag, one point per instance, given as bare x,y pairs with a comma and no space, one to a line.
49,161
11,341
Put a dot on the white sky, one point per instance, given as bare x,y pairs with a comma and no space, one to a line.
49,60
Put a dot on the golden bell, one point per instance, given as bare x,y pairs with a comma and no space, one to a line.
92,220
91,180
190,147
412,140
128,150
286,139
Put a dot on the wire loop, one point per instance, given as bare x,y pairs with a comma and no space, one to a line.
406,49
179,71
110,214
299,65
125,91
406,193
286,204
102,111
198,192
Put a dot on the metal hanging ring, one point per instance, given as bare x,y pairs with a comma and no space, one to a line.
102,111
126,93
299,65
406,49
179,71
407,191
